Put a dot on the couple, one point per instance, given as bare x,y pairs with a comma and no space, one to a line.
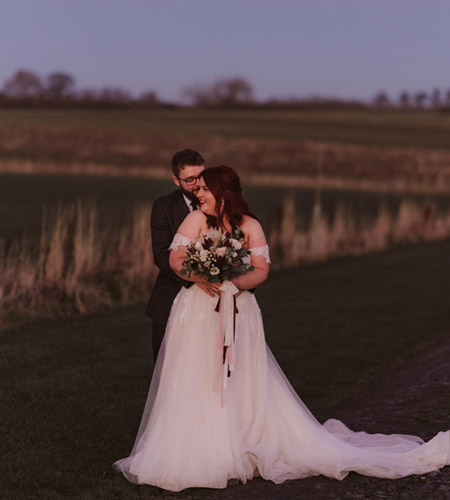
196,434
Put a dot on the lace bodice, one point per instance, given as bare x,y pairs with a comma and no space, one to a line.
180,240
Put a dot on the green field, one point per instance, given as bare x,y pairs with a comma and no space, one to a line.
421,129
23,197
366,149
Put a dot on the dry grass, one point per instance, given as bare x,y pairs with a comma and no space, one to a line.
77,265
292,244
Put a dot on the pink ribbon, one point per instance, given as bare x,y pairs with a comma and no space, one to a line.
225,353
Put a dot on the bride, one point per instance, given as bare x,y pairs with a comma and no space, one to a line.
196,432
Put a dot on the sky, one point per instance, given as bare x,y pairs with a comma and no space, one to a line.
284,48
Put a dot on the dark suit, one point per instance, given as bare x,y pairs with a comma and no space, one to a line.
168,213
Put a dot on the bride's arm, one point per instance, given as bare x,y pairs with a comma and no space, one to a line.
190,229
256,239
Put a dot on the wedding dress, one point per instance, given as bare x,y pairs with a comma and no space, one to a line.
195,434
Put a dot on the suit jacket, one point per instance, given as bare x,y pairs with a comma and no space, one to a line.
168,213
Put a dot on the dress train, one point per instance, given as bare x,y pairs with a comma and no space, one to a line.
188,439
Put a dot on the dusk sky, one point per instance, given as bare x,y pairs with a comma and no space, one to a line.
285,48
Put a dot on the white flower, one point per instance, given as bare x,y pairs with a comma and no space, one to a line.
215,235
207,263
214,270
221,251
198,246
236,244
203,255
234,254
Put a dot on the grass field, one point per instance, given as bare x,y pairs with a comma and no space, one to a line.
394,128
73,389
23,197
366,149
67,245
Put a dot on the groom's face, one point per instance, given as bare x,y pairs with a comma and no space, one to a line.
188,179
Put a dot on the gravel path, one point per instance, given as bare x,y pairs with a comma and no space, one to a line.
414,399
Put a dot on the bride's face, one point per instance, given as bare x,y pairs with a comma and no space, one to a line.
206,199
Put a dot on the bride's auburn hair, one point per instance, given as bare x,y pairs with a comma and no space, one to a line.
225,185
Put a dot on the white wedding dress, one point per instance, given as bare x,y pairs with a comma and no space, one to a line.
188,437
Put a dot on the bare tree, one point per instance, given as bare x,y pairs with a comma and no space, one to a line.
149,98
60,85
381,100
420,99
197,95
436,101
88,95
223,92
233,92
23,84
404,100
114,95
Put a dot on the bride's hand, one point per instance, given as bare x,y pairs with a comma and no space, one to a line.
212,289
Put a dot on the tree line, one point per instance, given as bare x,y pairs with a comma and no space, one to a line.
436,99
27,88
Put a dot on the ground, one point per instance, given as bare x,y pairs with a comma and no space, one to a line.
365,340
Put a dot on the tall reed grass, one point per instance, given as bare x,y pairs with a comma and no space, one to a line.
77,265
81,265
293,241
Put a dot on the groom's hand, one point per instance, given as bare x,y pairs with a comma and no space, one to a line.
212,289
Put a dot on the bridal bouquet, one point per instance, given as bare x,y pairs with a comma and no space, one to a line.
218,256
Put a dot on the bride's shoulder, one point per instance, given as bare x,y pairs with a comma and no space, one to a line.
193,223
253,231
196,216
250,224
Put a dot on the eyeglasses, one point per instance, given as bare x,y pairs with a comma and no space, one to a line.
190,180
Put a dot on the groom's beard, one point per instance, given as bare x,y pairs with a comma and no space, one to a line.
190,195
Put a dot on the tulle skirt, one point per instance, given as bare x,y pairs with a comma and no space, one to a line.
188,438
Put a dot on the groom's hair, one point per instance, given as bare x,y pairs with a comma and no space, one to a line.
186,157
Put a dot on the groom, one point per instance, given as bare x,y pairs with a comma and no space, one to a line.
168,213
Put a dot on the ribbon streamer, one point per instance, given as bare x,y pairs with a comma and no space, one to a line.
225,354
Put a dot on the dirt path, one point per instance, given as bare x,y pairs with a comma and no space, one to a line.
414,399
418,395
